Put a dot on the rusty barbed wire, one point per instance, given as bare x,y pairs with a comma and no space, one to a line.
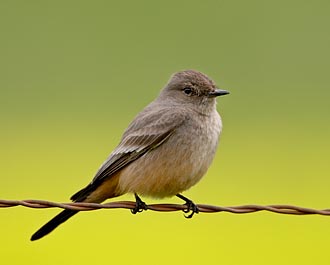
82,206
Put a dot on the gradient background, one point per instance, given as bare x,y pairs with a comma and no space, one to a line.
74,74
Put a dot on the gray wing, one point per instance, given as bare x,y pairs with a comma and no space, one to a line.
147,131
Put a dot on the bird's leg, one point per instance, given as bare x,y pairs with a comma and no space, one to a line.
139,205
191,206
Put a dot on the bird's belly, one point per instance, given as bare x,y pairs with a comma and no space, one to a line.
174,166
159,177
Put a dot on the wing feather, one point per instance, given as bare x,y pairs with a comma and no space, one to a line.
137,141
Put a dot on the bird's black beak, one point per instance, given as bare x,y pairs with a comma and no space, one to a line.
217,93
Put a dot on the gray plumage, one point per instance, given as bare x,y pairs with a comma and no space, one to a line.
165,150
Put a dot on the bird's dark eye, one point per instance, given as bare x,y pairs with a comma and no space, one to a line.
188,91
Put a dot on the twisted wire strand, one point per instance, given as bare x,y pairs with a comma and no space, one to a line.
82,206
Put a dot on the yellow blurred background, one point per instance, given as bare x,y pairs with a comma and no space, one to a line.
74,73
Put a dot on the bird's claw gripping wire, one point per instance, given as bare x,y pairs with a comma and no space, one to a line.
140,205
191,206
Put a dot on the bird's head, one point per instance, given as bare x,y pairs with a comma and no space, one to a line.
192,88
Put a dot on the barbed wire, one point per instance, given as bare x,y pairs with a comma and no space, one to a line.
82,206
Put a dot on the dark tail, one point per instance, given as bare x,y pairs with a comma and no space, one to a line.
53,223
80,196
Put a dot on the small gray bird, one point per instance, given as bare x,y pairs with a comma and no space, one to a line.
165,150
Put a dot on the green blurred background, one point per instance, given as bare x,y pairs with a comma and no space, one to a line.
74,73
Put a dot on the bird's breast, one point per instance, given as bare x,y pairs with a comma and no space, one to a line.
178,163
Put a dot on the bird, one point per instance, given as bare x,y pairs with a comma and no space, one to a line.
165,150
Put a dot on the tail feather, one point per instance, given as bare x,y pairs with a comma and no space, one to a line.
53,223
83,193
80,196
107,189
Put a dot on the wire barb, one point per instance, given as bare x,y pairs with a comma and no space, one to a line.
82,206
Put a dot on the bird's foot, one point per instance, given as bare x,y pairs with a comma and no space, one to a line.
139,205
191,206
